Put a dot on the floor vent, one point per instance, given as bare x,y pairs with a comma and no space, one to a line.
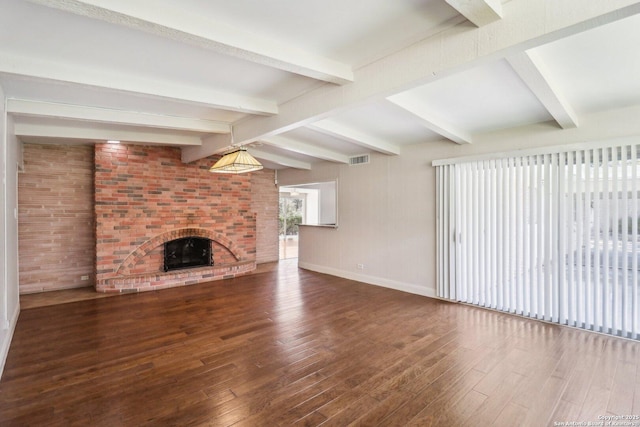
359,160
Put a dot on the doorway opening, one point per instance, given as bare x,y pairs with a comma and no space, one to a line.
291,212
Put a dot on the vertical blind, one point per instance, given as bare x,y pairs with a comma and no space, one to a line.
551,236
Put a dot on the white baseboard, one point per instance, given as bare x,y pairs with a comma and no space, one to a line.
6,334
371,280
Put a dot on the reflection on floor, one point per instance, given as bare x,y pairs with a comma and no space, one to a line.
288,247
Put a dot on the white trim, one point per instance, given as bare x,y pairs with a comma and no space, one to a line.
4,260
556,149
6,335
371,280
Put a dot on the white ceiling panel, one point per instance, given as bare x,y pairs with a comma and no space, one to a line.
322,140
598,69
309,81
61,37
388,122
281,152
481,99
353,32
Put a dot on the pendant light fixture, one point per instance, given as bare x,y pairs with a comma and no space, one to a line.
236,161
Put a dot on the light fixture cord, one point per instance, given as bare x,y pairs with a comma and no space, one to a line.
233,143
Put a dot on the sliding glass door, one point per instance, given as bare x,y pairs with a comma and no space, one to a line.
291,214
551,235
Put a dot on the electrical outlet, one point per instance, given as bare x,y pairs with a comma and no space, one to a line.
360,266
84,277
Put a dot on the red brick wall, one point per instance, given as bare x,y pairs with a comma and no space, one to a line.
56,228
142,192
264,202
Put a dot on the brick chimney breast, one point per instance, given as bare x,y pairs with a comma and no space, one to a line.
145,195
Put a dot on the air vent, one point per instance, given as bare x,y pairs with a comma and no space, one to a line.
359,160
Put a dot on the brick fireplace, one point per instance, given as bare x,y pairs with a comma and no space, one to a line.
145,196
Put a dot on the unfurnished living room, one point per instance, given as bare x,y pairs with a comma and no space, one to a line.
276,213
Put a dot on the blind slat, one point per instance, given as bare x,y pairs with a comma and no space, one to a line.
635,237
588,284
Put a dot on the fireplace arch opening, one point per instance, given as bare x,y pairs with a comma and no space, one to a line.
187,252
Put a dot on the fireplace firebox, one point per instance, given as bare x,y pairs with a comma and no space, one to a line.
187,252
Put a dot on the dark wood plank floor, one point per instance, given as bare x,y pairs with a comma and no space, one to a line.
292,347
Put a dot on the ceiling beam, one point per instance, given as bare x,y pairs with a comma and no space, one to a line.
218,144
410,103
216,36
526,24
101,134
214,144
479,12
141,85
306,149
355,136
535,75
29,108
281,160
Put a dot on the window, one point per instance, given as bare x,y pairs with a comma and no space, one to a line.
320,202
551,235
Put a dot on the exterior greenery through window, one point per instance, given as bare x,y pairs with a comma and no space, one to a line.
290,216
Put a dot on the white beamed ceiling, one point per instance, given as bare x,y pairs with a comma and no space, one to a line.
304,82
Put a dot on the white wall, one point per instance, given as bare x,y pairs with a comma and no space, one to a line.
327,203
387,208
383,221
9,296
311,207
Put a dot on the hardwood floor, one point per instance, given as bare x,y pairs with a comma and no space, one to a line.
292,347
